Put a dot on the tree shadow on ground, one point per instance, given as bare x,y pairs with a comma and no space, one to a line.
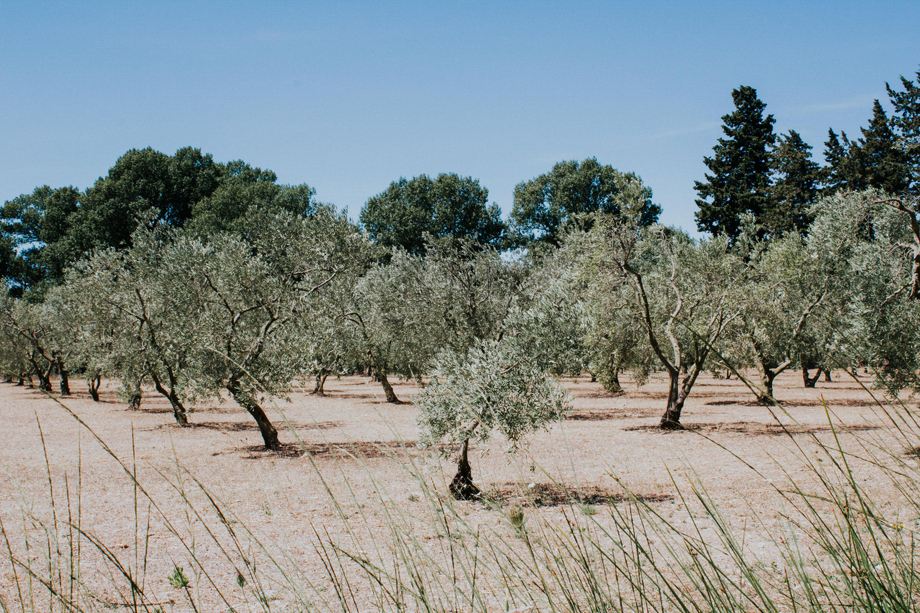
839,402
751,428
359,449
246,426
554,495
603,415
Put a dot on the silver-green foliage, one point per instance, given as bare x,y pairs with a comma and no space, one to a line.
492,387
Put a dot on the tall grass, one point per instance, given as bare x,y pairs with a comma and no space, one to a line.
838,549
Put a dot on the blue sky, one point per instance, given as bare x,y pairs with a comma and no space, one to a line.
349,96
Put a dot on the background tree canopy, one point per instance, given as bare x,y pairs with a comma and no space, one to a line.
447,207
546,204
45,232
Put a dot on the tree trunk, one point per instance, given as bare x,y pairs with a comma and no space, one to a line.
827,376
810,381
179,411
387,388
671,418
767,377
44,380
320,383
245,400
462,486
135,402
93,384
612,383
22,381
65,379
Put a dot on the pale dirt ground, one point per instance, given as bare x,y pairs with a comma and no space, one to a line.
283,500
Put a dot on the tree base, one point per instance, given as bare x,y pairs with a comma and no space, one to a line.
670,424
463,488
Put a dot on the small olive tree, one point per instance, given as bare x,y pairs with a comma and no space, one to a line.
492,387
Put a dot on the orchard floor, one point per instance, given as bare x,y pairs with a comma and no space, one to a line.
351,465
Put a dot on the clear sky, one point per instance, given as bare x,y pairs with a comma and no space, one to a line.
349,96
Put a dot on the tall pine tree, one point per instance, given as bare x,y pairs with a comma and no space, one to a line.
795,186
740,168
906,124
877,157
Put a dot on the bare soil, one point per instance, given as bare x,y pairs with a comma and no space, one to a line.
349,454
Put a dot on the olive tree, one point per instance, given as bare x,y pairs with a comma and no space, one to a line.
491,387
408,310
789,297
136,317
684,291
253,297
879,266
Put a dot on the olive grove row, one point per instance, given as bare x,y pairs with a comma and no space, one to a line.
302,297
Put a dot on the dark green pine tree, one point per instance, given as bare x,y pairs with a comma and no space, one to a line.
906,124
878,159
740,168
795,186
839,173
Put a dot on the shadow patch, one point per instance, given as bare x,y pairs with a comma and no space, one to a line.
249,426
350,395
553,495
752,428
360,449
604,415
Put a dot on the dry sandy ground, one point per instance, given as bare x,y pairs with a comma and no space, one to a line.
294,501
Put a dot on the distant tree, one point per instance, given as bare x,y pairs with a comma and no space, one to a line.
34,228
881,270
255,298
547,204
161,187
684,293
740,169
138,316
785,298
243,190
408,310
448,207
795,186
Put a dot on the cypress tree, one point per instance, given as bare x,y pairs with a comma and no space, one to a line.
740,168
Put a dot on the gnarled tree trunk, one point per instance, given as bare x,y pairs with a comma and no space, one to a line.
321,376
245,400
810,381
462,486
65,378
387,388
671,418
92,383
178,408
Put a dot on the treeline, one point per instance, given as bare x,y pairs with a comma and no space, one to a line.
201,278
